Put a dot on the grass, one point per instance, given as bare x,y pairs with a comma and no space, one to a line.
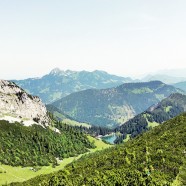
167,109
69,121
59,115
100,145
122,120
75,123
152,124
19,174
127,138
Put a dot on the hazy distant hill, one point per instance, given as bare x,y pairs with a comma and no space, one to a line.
168,79
58,83
114,106
181,85
153,116
179,72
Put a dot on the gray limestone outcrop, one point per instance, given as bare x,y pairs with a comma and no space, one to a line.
17,105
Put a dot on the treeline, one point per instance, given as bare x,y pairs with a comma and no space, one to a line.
153,158
95,130
92,130
37,146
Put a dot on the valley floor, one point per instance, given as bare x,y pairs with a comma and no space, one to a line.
19,174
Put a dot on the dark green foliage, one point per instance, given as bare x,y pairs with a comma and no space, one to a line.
105,107
95,131
35,145
158,113
153,158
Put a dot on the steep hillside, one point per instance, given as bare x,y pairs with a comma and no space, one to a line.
60,116
156,157
114,106
57,113
168,108
17,105
38,146
181,85
58,83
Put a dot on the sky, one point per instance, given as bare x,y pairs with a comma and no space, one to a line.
122,37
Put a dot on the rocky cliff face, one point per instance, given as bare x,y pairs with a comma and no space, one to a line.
17,105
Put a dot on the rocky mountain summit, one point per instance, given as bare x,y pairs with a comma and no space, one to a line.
17,105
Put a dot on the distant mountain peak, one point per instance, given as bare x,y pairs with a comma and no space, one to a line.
56,71
100,72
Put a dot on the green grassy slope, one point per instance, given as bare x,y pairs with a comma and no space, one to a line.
153,158
60,116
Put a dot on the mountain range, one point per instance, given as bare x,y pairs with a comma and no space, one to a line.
59,83
113,106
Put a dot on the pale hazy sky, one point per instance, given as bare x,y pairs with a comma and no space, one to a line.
124,37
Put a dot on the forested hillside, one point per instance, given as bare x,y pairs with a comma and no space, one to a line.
156,157
114,106
35,145
168,108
